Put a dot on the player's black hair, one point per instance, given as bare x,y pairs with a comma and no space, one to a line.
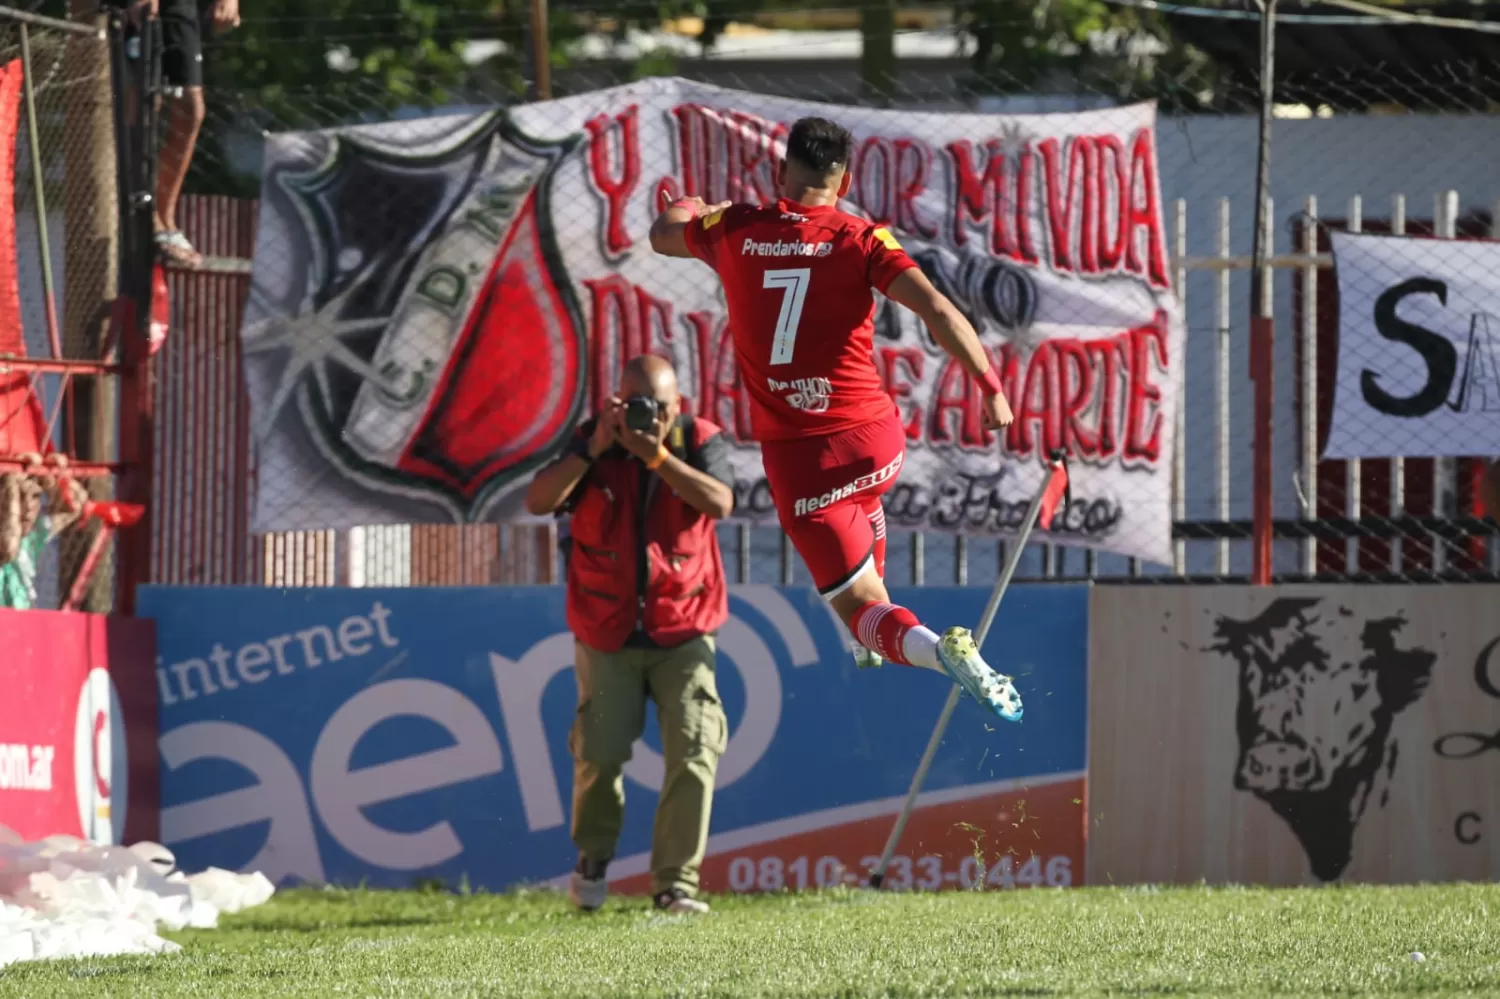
819,145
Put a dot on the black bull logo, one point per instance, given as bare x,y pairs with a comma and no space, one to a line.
1318,693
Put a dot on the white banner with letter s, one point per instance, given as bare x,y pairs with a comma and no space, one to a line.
1419,348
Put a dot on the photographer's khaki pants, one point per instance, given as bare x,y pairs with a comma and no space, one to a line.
612,692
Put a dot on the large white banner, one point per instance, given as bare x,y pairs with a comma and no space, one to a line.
1419,348
437,303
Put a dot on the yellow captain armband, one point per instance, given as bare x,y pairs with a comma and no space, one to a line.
884,235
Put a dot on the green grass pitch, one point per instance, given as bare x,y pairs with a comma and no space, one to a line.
1335,941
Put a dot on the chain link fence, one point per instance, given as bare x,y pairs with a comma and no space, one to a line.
58,259
1356,145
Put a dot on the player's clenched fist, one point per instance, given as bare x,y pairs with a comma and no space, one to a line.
997,414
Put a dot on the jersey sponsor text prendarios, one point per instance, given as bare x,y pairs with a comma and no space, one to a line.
799,284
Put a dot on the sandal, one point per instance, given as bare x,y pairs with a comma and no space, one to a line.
175,250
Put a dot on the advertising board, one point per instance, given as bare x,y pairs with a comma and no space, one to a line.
1294,734
388,736
77,726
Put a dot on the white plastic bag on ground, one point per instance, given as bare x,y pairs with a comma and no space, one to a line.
66,897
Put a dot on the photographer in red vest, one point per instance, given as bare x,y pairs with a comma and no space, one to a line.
645,486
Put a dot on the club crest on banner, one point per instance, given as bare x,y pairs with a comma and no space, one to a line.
437,349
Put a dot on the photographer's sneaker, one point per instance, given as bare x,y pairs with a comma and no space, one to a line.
588,887
679,903
865,658
960,658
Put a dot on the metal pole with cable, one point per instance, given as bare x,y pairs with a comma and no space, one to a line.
1262,323
541,52
1055,484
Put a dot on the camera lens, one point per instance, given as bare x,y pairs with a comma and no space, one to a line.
640,412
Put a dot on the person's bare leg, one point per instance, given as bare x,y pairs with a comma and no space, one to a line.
865,657
184,120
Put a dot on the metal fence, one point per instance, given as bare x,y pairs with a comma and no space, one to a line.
59,257
1377,148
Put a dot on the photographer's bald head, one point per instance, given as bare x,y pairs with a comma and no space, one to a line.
653,377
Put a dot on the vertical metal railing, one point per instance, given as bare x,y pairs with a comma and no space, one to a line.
1398,465
1222,385
1308,380
1444,470
1179,428
51,185
1353,481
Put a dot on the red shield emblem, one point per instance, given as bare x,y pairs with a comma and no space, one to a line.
512,385
443,347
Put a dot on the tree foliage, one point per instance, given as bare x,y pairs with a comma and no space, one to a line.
1082,47
1078,46
358,55
291,64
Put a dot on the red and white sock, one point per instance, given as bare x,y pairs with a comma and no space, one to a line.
896,634
876,513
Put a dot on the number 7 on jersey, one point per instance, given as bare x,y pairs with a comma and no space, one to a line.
793,284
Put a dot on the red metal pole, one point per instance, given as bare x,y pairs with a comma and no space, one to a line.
87,569
1262,337
135,452
47,366
73,470
1262,326
1472,470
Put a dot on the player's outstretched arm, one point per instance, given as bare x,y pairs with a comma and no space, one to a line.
669,231
954,334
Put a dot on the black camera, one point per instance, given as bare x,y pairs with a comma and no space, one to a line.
641,412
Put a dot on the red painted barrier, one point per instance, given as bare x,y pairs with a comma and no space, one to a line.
78,726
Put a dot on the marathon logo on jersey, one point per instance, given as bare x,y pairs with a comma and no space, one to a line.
809,395
803,507
785,248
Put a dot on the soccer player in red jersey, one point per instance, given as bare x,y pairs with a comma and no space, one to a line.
798,279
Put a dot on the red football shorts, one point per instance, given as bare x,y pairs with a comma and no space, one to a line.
827,492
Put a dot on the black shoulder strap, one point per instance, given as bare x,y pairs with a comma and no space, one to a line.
690,451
